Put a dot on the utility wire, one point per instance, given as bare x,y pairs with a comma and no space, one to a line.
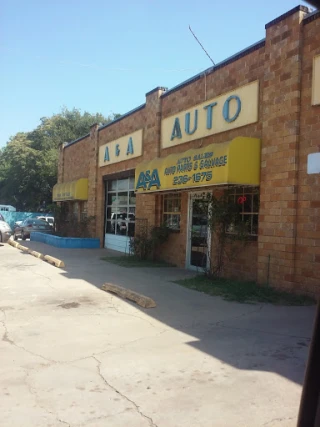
202,46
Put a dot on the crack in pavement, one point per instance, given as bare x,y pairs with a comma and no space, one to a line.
131,315
149,419
38,403
46,277
278,419
7,339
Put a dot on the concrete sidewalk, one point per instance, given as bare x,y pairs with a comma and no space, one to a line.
74,355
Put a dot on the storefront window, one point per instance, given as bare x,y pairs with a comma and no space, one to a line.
247,200
172,210
121,207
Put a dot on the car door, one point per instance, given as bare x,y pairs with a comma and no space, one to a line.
17,230
22,226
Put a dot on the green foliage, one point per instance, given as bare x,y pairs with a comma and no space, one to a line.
76,228
244,292
29,161
229,233
144,243
68,226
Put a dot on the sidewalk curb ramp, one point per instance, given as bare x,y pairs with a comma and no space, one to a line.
50,259
140,299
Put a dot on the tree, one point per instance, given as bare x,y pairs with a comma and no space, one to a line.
29,161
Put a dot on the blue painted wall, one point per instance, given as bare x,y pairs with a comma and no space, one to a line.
65,242
12,217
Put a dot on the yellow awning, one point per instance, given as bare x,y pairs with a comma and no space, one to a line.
236,162
73,190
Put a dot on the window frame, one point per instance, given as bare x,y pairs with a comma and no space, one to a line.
238,192
112,188
170,213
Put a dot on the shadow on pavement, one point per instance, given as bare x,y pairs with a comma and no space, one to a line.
247,336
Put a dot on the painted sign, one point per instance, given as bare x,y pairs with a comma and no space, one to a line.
234,162
121,149
228,111
316,81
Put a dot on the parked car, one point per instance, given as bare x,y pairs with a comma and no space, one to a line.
31,224
120,223
48,219
5,230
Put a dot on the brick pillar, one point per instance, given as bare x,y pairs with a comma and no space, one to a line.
280,111
61,163
148,204
92,178
152,129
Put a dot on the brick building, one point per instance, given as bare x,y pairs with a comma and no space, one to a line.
251,123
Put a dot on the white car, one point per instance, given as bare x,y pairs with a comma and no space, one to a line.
48,219
5,230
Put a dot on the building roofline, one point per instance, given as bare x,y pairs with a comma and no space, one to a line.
76,140
141,107
108,124
156,89
216,67
280,18
311,17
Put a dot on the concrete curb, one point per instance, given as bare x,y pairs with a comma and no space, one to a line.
37,254
50,259
140,299
13,243
55,261
23,248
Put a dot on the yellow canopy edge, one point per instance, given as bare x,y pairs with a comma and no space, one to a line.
236,162
73,190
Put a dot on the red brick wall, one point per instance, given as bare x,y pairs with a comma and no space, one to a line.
174,249
308,211
279,157
76,160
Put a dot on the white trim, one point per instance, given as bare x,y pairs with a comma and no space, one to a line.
191,197
117,242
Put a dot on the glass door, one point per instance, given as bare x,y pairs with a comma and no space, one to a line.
120,214
198,236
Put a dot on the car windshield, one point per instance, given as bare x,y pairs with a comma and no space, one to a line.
36,222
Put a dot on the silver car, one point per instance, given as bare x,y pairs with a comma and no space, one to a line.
5,230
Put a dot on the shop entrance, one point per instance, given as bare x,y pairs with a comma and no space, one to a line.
198,243
120,214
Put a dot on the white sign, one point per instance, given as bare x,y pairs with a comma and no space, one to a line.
313,163
124,148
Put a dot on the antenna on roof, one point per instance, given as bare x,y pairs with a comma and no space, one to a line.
201,46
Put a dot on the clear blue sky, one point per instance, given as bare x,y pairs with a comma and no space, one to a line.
103,56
